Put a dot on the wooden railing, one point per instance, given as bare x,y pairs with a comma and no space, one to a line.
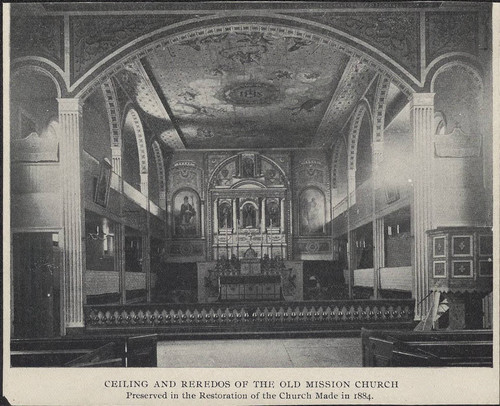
347,314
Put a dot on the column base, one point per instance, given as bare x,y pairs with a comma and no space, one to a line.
75,331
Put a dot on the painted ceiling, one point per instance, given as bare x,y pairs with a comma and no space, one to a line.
242,89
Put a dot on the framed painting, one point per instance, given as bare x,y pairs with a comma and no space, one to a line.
101,194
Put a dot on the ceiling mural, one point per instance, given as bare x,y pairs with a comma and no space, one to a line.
241,89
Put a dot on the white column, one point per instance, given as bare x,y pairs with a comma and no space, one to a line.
202,209
263,217
282,215
216,216
162,200
351,186
377,149
378,253
70,115
144,184
422,118
120,260
235,225
146,264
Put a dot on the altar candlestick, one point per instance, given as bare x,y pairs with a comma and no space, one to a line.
227,241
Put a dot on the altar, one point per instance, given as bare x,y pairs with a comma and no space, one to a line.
250,279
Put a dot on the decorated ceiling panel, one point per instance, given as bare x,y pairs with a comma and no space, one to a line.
246,89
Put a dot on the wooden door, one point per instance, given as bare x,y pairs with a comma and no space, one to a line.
36,272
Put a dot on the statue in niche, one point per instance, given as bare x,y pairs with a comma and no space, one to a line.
225,216
273,214
248,168
249,216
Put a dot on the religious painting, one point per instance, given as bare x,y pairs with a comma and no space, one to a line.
248,216
101,194
248,167
186,213
273,213
225,214
312,212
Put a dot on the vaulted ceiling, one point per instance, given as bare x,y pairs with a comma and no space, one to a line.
246,90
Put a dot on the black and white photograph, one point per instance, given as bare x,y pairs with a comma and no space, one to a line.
250,202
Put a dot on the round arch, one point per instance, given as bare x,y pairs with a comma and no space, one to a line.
217,169
468,67
43,69
205,25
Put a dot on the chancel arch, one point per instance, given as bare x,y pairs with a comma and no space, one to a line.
245,145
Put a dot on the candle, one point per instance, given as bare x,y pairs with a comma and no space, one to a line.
227,241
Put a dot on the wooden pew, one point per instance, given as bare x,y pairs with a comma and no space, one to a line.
141,351
103,351
430,348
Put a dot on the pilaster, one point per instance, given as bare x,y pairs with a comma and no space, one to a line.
120,260
422,118
378,253
116,165
70,115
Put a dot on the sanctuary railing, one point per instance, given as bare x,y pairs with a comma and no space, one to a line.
258,316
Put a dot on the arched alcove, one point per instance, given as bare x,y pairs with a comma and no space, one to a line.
33,102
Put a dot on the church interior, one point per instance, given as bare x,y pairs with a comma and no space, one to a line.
230,170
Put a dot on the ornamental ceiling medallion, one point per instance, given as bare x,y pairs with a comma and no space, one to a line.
251,94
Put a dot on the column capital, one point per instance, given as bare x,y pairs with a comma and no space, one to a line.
70,105
422,100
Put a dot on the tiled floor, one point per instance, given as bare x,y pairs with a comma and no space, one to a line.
261,353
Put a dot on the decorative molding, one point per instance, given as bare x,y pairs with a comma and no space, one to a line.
337,149
380,104
141,140
162,180
113,109
345,98
356,121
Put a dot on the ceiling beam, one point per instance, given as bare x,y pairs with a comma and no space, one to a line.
176,140
353,84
